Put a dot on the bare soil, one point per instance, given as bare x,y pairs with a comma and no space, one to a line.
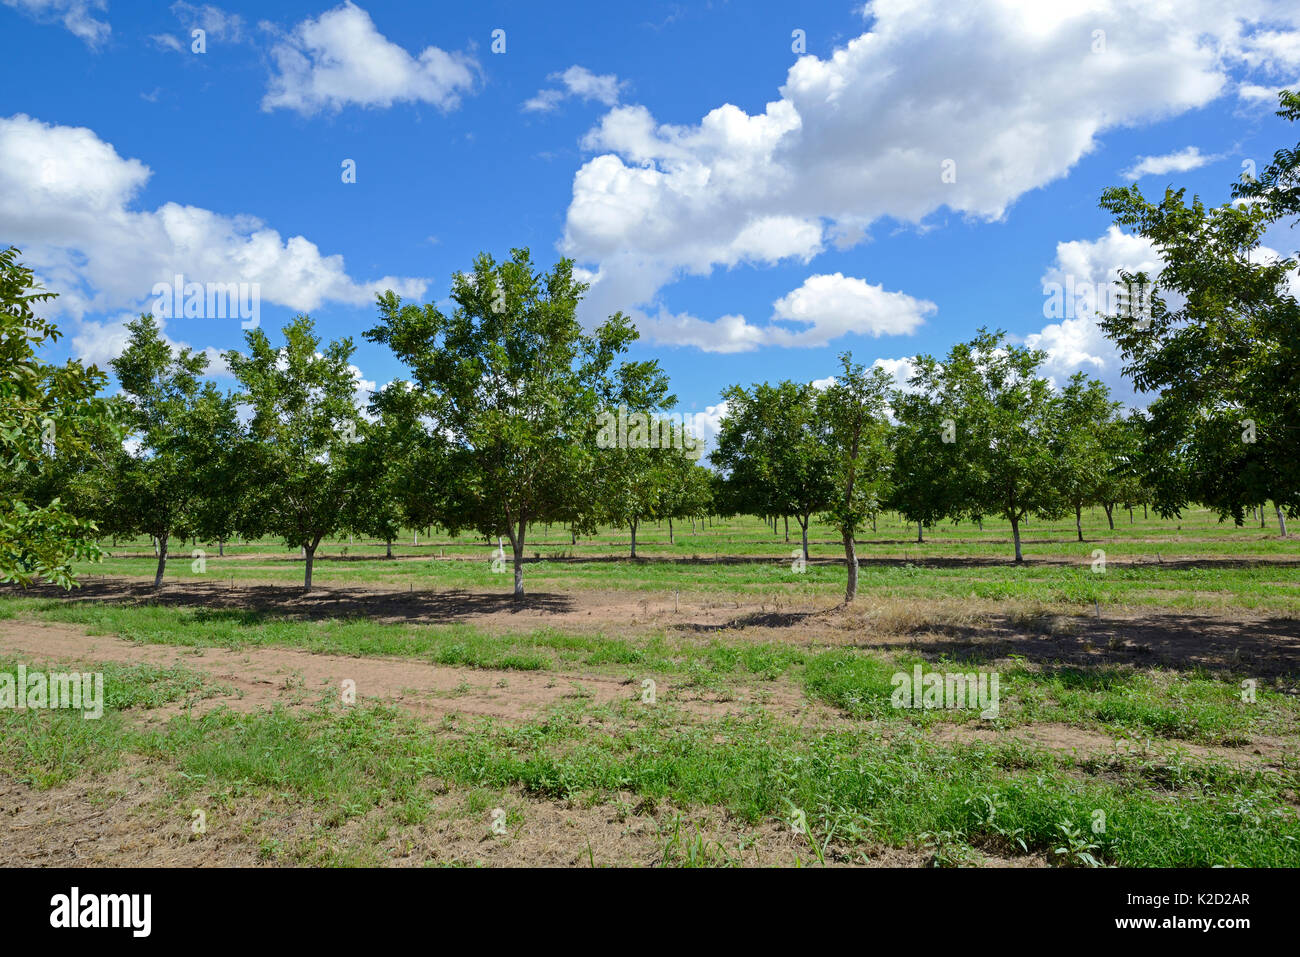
258,678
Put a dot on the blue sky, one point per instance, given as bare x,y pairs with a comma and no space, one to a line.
758,209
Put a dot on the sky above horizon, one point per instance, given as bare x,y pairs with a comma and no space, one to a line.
760,186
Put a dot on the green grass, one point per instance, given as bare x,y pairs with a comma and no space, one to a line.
1120,701
1194,562
853,785
44,748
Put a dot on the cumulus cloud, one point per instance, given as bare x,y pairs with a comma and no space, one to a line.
340,59
834,305
74,14
576,81
1084,271
1012,94
824,308
67,198
1180,162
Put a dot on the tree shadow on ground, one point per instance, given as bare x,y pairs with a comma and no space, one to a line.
1260,648
256,603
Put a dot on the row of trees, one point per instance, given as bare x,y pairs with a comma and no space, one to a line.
495,429
979,434
494,432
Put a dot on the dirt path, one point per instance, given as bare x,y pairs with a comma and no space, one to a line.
261,677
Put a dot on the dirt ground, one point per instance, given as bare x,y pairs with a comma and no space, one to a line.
974,630
258,678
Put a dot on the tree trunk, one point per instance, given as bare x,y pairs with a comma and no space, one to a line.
309,552
1130,514
1078,520
873,524
632,525
920,538
1281,519
1110,515
851,560
1015,534
388,543
670,531
162,560
517,546
1261,515
787,529
1144,511
221,548
804,525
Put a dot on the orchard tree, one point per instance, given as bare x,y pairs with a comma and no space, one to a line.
1086,419
687,491
47,414
629,485
398,468
1003,452
926,479
654,483
171,477
852,415
1220,343
1128,474
297,460
773,448
512,382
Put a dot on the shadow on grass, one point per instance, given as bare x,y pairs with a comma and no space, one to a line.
1260,648
254,604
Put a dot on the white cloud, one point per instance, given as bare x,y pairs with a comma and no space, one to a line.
834,305
1259,93
1077,343
73,14
340,59
901,369
1011,92
363,389
707,424
166,41
580,82
66,200
1180,162
826,306
1277,51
